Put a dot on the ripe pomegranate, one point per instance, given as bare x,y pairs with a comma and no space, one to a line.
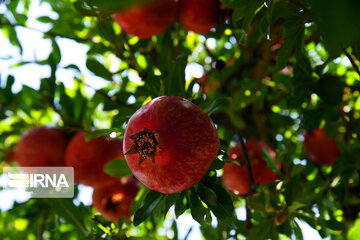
170,143
147,20
320,148
113,200
89,158
199,15
41,147
236,178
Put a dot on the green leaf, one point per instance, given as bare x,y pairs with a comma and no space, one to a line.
330,90
235,3
198,210
65,208
297,230
251,10
55,53
139,199
98,69
293,33
220,204
170,200
223,156
217,164
45,19
105,7
291,189
354,232
118,168
47,90
207,195
179,205
216,105
338,23
261,230
312,119
333,224
271,164
10,32
151,201
99,133
174,83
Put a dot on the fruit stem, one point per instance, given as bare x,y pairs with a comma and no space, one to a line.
248,165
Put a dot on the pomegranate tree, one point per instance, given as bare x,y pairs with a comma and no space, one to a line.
147,20
170,143
236,178
89,158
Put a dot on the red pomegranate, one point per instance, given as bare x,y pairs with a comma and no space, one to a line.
320,148
113,200
236,178
41,147
199,15
170,143
89,158
147,20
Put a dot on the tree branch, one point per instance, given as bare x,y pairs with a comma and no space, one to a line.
353,63
248,164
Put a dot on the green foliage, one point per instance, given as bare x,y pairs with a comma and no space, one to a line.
289,67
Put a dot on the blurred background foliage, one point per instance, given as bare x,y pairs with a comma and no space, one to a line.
269,71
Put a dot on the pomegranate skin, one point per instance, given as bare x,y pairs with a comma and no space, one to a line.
147,20
236,178
320,148
89,158
188,140
199,15
41,147
113,199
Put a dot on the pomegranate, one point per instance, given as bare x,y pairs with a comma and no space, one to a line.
41,147
113,200
89,158
320,148
169,144
199,15
236,178
147,20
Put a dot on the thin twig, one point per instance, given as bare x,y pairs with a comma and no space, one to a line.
248,164
353,63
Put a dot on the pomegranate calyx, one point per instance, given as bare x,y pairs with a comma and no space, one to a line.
112,205
146,144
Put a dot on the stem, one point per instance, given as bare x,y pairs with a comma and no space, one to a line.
353,63
248,164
